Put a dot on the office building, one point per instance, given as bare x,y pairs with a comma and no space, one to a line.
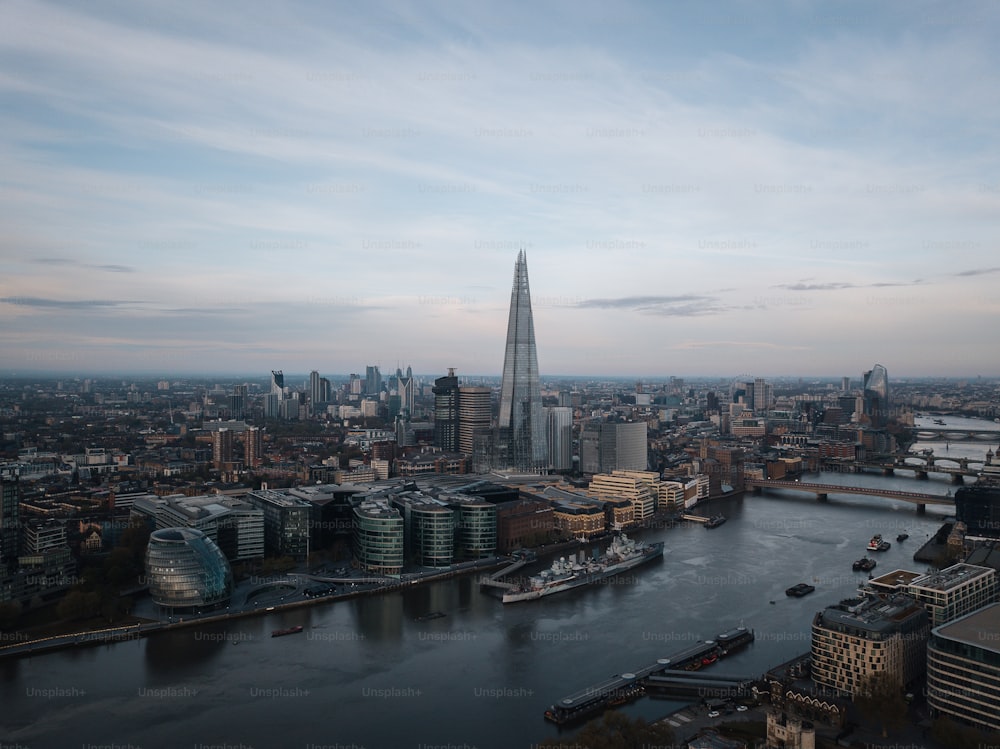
475,526
640,488
520,442
186,570
446,412
234,525
963,669
612,446
286,522
428,529
875,396
40,535
475,411
9,515
377,533
373,381
861,637
559,434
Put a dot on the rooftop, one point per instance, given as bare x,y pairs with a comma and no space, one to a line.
980,629
895,578
951,577
875,614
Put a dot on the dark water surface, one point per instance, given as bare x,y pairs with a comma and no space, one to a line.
367,673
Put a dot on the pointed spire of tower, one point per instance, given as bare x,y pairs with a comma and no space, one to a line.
520,419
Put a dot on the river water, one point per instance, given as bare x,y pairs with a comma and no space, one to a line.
367,672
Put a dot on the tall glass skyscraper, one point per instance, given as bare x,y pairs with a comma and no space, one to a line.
521,439
875,384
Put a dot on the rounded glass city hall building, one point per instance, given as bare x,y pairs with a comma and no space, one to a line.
186,570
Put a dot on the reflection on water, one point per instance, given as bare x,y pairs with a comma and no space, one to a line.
370,672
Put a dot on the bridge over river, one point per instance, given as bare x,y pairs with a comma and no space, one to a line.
822,492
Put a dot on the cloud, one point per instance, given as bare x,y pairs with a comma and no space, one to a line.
76,304
978,272
65,261
684,305
684,345
838,285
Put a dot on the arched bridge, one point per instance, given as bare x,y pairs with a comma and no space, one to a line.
822,491
948,434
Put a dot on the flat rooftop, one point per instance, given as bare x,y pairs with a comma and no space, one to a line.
980,629
896,577
951,577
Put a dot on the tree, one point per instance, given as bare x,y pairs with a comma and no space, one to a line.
880,699
615,730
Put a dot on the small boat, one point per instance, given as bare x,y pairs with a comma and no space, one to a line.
709,659
878,543
902,536
802,589
289,631
715,521
431,615
864,564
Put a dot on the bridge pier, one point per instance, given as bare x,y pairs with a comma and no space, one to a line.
921,509
956,478
821,496
888,472
922,475
757,489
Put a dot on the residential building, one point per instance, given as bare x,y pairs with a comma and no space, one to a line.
955,591
475,410
858,638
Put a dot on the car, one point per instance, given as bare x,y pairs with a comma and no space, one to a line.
741,708
713,714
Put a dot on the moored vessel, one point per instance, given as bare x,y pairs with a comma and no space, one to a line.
799,590
623,554
289,631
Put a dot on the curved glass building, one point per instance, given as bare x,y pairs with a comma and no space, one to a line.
378,538
185,570
876,395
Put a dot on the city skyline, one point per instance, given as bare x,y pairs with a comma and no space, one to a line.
704,191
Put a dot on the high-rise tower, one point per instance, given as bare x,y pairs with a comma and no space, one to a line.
521,440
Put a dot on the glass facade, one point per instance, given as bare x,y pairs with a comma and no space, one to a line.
185,569
378,539
475,530
521,421
432,534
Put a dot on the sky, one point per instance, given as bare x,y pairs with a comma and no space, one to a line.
788,188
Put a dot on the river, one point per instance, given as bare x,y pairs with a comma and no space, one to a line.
367,673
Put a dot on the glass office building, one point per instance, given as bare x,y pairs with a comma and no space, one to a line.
186,570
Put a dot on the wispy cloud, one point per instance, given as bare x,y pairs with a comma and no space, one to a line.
684,305
69,262
66,304
978,272
838,285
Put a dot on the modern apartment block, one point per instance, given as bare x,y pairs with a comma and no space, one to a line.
954,591
858,638
963,669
